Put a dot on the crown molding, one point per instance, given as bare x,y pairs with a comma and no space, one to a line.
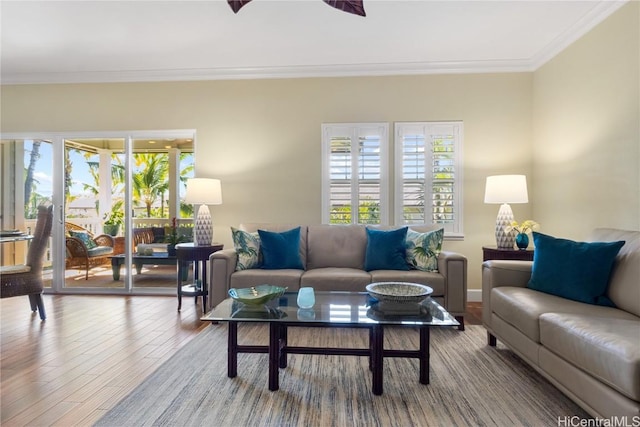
343,70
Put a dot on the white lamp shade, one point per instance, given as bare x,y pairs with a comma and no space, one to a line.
203,191
506,189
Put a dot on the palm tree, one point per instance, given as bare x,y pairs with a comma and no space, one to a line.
29,181
186,209
117,175
153,179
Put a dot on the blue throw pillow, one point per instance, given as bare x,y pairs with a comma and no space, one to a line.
386,250
280,250
578,271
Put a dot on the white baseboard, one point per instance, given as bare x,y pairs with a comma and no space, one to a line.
474,295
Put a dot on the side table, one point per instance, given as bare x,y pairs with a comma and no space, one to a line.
199,254
492,252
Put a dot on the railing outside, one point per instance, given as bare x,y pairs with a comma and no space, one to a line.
94,225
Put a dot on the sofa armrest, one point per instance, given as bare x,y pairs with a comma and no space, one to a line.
221,265
498,273
453,266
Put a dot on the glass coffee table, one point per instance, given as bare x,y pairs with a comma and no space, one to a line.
332,310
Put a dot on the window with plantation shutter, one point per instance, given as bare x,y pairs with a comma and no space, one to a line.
428,178
354,167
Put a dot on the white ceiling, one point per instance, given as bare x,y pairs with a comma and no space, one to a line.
108,41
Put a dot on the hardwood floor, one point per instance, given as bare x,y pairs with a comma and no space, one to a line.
89,353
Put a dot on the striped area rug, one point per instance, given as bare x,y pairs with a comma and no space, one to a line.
471,385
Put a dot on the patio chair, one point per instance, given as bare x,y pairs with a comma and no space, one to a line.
17,280
84,250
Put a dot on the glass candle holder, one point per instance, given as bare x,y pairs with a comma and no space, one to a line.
306,297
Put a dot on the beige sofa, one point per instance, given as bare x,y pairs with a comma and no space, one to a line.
590,352
333,258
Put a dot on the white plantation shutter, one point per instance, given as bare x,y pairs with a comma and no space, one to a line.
354,184
429,174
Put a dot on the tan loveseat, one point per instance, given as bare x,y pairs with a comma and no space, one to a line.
333,258
590,352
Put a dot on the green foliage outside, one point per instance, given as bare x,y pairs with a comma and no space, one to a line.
368,213
150,183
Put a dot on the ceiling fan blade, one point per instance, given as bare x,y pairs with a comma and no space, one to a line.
351,6
236,5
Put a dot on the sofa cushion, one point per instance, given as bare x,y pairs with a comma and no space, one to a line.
336,279
254,227
100,250
280,250
247,246
423,249
522,308
623,285
336,246
578,271
84,238
434,280
606,348
386,250
287,278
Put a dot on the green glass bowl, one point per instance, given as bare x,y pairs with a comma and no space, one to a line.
256,295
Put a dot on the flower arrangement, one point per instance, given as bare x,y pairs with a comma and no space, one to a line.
524,228
173,237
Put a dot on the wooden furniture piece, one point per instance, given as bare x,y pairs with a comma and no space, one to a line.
16,280
81,256
492,252
199,254
356,310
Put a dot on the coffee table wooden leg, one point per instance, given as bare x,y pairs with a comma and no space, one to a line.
371,349
378,357
282,347
232,350
274,355
424,354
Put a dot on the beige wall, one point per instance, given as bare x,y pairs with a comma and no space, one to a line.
586,139
262,137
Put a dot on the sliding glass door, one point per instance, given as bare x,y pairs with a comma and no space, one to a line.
118,198
27,181
93,212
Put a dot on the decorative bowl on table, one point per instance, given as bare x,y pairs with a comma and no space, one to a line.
398,291
256,295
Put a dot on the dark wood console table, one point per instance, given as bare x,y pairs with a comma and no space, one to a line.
492,252
199,254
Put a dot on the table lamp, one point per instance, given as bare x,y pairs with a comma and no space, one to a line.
505,189
203,192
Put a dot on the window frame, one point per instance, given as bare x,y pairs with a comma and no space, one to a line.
354,131
454,230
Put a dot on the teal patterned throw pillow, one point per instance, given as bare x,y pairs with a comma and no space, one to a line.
247,247
423,249
84,237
